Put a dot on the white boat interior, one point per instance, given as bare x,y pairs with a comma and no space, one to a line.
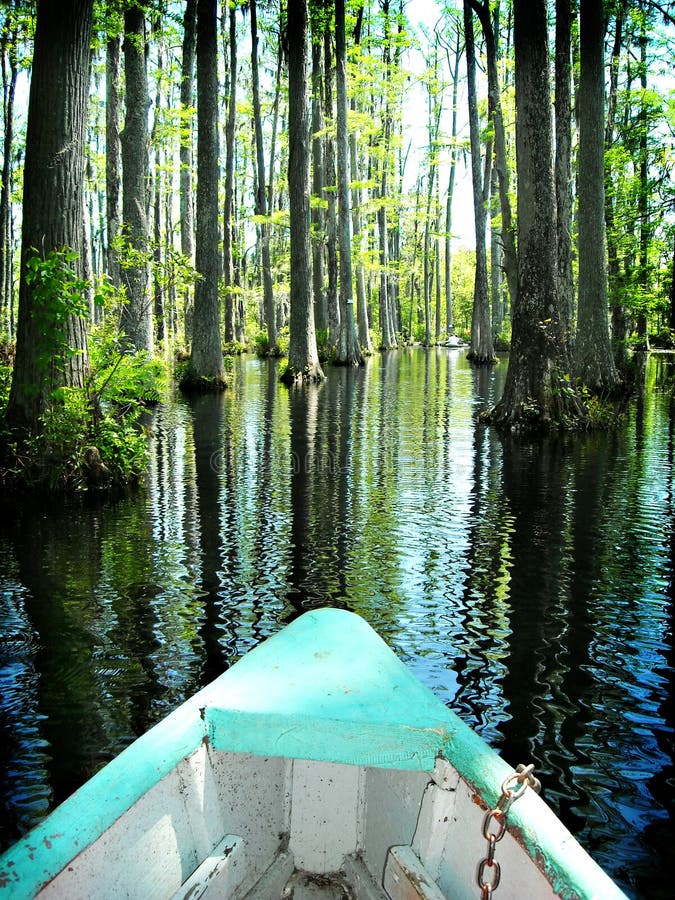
242,826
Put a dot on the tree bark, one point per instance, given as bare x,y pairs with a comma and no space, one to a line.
52,204
8,50
330,196
137,312
359,234
348,351
228,205
261,189
303,360
643,195
113,155
187,221
620,329
434,108
563,162
537,391
481,351
593,360
206,359
318,215
510,257
387,326
449,318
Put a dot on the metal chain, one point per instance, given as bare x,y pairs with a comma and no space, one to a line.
494,825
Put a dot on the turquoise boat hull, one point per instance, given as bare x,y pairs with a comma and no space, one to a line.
317,756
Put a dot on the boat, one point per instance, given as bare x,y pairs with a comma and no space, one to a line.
317,766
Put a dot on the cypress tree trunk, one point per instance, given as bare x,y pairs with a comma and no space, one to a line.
593,359
113,158
449,319
137,312
537,391
261,189
510,258
228,207
496,259
206,360
481,350
303,360
433,122
8,50
318,216
387,327
644,226
330,195
620,329
563,162
50,352
359,235
187,220
348,352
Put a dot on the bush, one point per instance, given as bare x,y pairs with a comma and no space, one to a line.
663,339
262,345
121,376
502,340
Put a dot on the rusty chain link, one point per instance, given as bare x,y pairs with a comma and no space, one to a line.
494,825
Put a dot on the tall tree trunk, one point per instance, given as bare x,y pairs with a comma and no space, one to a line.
137,311
318,216
303,360
593,359
437,280
643,195
449,319
51,351
434,107
536,391
330,195
113,155
187,223
261,189
228,207
481,350
490,32
348,352
272,182
359,234
206,359
8,51
387,326
158,280
563,162
496,258
620,328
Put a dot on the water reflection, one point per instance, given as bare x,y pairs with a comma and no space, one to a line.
530,586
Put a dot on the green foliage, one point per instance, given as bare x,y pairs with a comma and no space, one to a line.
663,338
502,339
58,293
262,344
121,377
91,436
77,447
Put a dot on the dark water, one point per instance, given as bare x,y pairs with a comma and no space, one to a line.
531,587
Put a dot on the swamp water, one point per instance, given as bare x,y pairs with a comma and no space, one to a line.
530,587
